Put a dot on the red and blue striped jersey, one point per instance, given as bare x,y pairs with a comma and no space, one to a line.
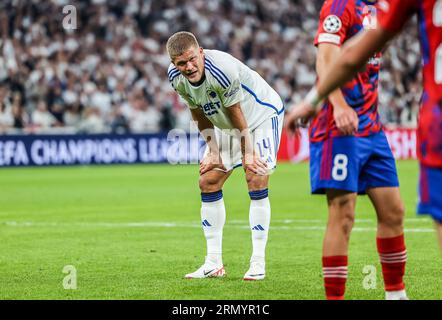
340,20
392,16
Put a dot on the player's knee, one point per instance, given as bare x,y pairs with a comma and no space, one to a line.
255,182
342,204
399,213
342,215
394,217
342,224
347,222
209,184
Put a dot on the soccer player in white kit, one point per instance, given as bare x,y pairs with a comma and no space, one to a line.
240,116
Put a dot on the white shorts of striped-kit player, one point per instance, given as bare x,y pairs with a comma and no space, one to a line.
265,139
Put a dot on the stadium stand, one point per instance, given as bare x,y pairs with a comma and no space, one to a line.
109,74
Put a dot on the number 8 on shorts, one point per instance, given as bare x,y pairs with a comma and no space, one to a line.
339,172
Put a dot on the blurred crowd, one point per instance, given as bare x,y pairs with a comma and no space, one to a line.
110,73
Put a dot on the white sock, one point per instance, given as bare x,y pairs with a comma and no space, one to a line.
396,295
259,218
213,217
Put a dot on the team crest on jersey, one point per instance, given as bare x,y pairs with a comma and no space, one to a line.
332,24
211,93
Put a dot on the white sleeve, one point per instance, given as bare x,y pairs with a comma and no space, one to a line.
233,94
229,84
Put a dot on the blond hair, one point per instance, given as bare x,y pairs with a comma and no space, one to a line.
179,42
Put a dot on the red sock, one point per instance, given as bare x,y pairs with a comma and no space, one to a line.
335,275
393,256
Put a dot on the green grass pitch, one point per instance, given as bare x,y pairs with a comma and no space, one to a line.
132,232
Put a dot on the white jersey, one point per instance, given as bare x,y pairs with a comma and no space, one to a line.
228,81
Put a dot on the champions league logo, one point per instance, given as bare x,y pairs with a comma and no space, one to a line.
332,24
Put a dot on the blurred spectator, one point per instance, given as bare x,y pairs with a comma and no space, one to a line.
21,119
120,124
110,73
42,119
92,122
71,116
6,116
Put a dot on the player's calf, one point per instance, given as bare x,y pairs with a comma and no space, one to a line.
259,218
393,256
390,239
335,272
390,211
213,213
341,206
391,224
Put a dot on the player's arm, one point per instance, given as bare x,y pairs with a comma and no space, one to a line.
345,117
207,130
335,20
352,58
249,159
391,17
231,96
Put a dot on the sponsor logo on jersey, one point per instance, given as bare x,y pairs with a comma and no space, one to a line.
375,61
231,92
370,17
211,108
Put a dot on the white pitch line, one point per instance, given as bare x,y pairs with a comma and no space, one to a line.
160,224
288,221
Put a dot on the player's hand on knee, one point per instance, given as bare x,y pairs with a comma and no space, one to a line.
254,164
346,119
210,162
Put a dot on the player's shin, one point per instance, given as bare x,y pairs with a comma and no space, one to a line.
335,272
393,255
259,218
213,217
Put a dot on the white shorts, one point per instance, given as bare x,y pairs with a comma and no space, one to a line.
265,139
